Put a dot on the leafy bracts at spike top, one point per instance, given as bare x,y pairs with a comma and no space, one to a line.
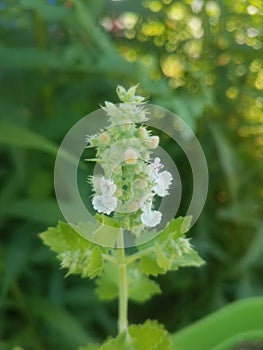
124,196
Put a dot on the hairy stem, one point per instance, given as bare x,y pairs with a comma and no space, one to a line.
123,288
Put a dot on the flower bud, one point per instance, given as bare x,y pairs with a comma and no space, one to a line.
104,137
130,156
152,142
143,133
133,206
118,193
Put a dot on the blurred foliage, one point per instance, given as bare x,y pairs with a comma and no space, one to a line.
59,59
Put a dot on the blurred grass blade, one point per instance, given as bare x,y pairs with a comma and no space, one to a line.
19,136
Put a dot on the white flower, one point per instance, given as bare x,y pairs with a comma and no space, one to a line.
150,217
105,203
153,169
162,180
107,186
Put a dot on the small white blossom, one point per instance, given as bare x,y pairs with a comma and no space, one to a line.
107,186
162,180
105,203
150,217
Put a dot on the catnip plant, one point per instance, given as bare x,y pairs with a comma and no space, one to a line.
126,187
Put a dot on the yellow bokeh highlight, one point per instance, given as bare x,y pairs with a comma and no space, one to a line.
232,92
172,67
153,5
176,12
153,28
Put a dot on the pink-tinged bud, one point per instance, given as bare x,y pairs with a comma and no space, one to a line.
130,156
153,142
104,138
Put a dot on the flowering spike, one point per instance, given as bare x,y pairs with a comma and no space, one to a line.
129,183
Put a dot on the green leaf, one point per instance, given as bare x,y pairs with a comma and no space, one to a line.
151,335
175,228
162,260
189,257
148,336
95,263
149,265
170,250
117,343
76,253
63,238
141,288
107,285
106,234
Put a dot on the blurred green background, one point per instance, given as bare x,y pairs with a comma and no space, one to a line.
60,59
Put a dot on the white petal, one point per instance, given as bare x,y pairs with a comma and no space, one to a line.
163,183
104,204
107,186
151,218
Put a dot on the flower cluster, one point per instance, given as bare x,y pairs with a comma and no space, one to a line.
130,177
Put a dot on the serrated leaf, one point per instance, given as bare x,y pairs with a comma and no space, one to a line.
141,288
107,233
76,253
190,258
148,335
149,265
162,260
170,250
164,345
117,343
107,285
95,263
175,228
62,238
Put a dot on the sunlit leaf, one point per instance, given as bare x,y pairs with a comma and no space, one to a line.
76,253
149,335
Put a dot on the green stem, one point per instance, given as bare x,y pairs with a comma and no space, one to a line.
123,288
138,255
110,258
